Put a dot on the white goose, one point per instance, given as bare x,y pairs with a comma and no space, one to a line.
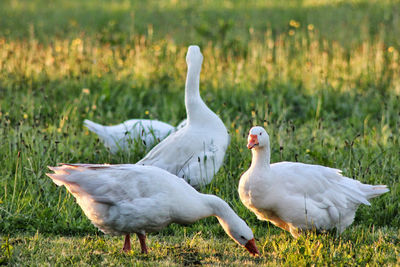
297,196
129,198
195,152
121,136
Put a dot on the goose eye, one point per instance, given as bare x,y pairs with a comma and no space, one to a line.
260,133
242,237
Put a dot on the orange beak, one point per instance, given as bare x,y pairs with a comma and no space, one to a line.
252,248
252,141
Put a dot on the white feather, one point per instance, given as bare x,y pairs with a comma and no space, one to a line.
300,196
129,198
197,150
122,136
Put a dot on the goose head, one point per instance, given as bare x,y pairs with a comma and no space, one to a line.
241,233
194,56
258,138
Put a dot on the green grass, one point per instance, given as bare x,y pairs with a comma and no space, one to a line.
373,248
323,77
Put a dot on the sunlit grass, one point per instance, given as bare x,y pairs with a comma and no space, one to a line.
373,248
329,97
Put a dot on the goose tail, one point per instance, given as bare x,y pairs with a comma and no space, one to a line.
94,127
59,176
372,191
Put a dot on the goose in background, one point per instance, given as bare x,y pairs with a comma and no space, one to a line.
196,151
130,198
297,196
122,136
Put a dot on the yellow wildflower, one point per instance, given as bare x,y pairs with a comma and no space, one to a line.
58,48
76,42
294,23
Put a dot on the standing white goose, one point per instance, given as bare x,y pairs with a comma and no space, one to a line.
128,198
195,152
297,196
121,136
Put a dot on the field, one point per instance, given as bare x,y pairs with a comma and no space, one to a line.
323,77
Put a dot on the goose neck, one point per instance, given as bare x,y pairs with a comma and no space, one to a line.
261,157
193,83
195,107
221,210
229,220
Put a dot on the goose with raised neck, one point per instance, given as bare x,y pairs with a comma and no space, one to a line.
296,196
196,110
130,198
195,152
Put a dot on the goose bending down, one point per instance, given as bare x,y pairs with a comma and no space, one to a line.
129,198
195,152
121,136
297,196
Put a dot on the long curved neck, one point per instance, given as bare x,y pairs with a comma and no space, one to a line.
261,157
205,206
210,205
224,213
195,106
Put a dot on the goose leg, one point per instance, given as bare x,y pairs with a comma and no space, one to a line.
127,244
142,240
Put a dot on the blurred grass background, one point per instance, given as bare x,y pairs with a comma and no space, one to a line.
323,77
